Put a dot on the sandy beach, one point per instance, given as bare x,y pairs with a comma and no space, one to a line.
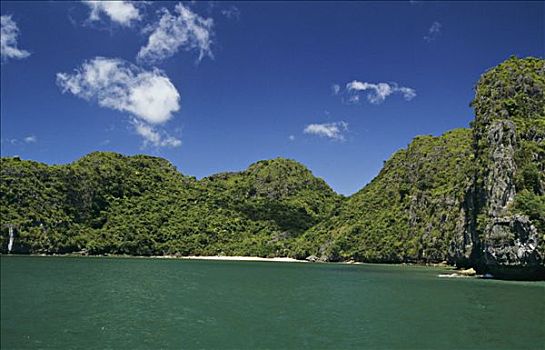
242,258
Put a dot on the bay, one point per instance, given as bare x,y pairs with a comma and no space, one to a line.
144,303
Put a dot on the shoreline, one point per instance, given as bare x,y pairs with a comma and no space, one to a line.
449,271
235,258
173,257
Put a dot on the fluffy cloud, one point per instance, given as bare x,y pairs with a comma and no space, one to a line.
113,83
182,30
121,12
148,95
8,40
377,93
30,139
153,137
333,131
433,32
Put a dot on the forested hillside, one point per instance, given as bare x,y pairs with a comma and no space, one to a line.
141,205
409,212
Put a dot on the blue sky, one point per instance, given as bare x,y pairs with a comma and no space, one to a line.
338,86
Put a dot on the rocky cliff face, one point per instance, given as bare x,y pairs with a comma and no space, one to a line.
508,203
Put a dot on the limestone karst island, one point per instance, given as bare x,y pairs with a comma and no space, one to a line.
272,175
473,198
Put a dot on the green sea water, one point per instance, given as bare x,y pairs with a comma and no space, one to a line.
129,303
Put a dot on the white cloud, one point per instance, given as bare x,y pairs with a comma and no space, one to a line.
433,32
8,40
30,139
378,92
113,83
148,95
335,89
231,13
291,138
121,12
27,139
182,30
155,138
408,93
330,130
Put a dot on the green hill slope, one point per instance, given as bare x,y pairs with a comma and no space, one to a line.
109,203
410,211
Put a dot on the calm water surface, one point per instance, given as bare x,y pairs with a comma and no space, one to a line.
127,303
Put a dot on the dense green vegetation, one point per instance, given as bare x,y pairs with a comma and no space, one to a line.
108,203
409,211
438,199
